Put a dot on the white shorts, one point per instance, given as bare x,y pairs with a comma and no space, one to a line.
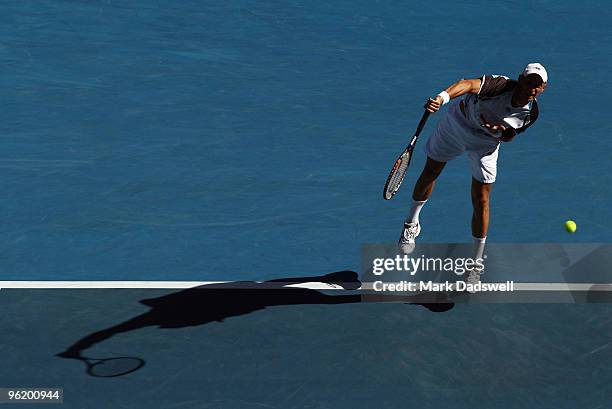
454,135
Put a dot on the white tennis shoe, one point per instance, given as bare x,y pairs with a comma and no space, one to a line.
473,278
408,238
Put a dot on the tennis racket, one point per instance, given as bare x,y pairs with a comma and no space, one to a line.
396,176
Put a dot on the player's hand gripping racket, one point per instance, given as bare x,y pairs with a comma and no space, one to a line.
394,181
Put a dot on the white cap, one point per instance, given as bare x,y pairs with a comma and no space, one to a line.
536,68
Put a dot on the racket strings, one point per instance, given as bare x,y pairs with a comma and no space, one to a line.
398,176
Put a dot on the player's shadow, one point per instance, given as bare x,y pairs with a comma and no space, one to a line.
216,302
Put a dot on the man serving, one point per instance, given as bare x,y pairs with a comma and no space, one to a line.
493,109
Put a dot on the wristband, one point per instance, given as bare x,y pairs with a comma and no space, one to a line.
445,97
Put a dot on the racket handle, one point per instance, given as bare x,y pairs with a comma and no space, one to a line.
422,123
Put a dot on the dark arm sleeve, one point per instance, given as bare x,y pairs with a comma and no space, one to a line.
533,116
492,85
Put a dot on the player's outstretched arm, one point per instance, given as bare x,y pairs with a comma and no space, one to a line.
456,90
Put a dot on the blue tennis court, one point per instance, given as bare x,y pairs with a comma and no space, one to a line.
249,142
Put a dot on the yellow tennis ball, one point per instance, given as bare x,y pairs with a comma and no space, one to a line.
570,226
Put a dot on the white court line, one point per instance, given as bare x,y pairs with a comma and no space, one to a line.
309,285
152,285
105,284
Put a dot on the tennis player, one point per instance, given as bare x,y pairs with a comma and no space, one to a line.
493,109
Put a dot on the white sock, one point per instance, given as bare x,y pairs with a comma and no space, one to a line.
479,245
413,216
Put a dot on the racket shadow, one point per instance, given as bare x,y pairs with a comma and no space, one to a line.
211,303
107,367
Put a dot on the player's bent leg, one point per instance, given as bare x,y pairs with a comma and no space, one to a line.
422,191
